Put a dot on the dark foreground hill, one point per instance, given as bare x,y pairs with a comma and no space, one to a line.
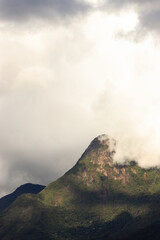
96,200
25,188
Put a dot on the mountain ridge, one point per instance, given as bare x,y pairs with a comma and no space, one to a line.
96,199
8,199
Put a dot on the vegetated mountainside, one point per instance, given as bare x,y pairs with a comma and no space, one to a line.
96,199
25,188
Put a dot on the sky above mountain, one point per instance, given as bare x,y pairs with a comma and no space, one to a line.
69,71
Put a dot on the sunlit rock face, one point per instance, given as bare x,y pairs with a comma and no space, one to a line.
95,190
105,140
103,143
97,162
102,149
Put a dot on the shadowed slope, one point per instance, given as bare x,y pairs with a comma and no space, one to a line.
7,200
96,198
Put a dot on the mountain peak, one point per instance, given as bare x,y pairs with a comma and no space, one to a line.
104,140
96,198
102,147
96,160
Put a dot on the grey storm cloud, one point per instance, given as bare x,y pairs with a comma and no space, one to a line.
23,10
148,11
151,20
16,10
62,86
123,3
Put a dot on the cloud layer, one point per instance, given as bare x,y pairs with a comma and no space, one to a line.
17,10
148,11
63,84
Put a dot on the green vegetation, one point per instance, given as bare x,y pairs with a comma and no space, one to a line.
96,199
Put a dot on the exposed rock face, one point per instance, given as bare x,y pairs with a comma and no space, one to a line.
134,170
108,143
96,198
98,158
101,151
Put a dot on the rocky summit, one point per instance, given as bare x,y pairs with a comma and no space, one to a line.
96,199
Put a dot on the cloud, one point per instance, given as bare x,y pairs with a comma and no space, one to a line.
118,4
40,112
17,11
148,12
60,87
151,20
22,10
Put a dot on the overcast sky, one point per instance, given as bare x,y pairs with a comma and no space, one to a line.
69,71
